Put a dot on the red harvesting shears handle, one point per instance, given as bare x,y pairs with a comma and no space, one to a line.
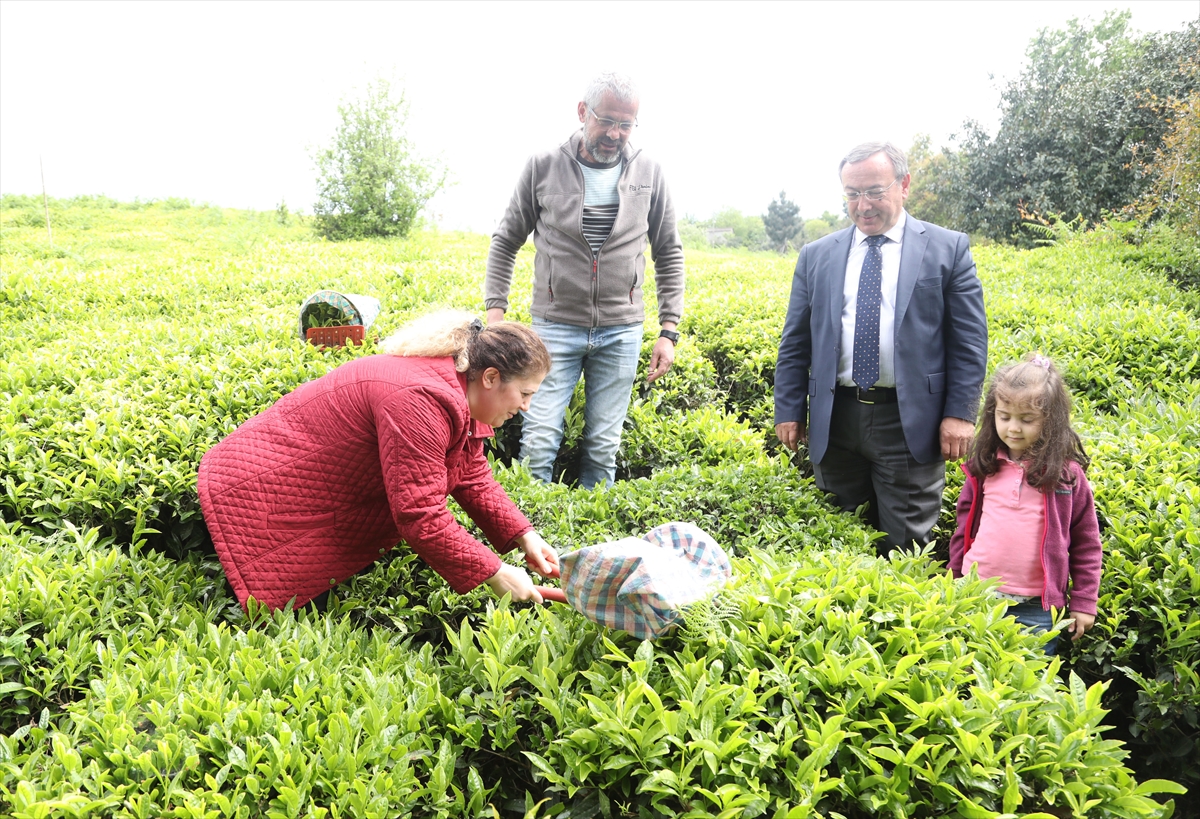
549,593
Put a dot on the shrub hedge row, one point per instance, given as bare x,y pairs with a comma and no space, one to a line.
825,681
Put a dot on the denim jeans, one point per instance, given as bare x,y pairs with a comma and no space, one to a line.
1036,618
607,357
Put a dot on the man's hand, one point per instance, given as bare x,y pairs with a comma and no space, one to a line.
495,315
661,359
956,435
539,555
513,581
1082,623
791,434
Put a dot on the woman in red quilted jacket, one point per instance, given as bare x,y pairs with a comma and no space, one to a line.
333,475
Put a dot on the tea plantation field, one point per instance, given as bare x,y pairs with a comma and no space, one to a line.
825,682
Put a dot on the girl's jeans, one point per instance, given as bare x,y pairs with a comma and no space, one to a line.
607,357
1032,614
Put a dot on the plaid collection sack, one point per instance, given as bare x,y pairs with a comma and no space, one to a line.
640,585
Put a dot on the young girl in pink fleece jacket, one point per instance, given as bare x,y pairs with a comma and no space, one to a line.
1038,531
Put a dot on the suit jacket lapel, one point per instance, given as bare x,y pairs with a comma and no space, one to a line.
912,254
839,253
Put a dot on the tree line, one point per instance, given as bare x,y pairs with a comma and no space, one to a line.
1101,121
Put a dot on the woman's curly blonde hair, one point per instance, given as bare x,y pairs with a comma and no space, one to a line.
515,350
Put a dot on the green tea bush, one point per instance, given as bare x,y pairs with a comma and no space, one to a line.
840,686
822,682
837,685
737,328
67,598
706,436
1127,342
1162,250
1149,641
764,506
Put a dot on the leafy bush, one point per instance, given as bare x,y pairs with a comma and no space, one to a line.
1162,249
822,682
67,598
369,183
1093,102
839,684
1175,164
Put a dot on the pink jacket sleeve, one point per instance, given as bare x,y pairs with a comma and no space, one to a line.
1085,552
966,500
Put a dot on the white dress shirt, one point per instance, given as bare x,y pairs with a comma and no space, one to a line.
887,309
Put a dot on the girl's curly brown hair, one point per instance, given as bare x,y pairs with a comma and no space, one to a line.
1037,383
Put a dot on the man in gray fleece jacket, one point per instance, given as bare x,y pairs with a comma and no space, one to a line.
592,204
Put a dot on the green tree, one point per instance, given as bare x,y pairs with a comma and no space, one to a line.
816,228
692,233
782,221
1090,100
747,231
1175,167
369,183
932,175
823,225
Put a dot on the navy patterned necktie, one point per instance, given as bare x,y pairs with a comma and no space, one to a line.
865,371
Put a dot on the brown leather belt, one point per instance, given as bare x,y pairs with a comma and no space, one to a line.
875,395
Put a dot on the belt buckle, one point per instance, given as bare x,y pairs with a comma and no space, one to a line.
860,394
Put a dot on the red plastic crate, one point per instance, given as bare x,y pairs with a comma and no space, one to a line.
335,336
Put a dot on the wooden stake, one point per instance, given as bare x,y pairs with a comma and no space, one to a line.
45,201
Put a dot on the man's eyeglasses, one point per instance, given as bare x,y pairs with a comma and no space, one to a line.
609,124
873,195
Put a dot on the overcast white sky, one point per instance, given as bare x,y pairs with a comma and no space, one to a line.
223,102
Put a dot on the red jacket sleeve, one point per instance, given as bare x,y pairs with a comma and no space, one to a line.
486,502
415,429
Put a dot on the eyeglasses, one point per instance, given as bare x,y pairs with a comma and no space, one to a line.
609,124
873,195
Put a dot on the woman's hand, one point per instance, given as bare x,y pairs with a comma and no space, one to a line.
512,581
1082,623
539,555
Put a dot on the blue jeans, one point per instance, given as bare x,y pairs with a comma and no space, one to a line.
607,357
1036,618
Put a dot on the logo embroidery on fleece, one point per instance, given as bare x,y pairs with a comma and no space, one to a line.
639,188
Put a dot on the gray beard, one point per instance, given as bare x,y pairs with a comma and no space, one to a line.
594,147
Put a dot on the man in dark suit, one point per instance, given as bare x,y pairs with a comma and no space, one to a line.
883,354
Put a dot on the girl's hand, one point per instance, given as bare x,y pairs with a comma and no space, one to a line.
539,554
1082,623
512,581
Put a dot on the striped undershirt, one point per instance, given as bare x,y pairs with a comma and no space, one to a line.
600,203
